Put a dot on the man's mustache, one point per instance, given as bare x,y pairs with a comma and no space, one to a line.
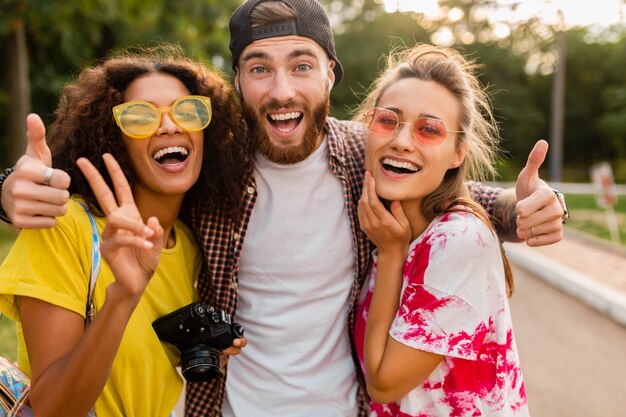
275,105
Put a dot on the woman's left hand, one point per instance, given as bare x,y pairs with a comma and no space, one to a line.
389,230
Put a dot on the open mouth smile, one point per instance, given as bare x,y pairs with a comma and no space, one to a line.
285,122
171,155
399,167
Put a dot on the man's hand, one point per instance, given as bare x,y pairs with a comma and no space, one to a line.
26,198
234,349
538,210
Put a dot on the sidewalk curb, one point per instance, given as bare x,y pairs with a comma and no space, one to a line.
596,295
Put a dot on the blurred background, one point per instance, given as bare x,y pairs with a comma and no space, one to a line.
555,67
556,70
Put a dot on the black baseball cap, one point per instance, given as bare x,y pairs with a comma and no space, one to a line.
310,21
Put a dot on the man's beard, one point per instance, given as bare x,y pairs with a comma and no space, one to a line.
287,154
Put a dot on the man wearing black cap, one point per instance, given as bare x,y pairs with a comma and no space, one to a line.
297,265
294,262
298,255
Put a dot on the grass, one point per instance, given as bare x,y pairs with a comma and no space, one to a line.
8,338
585,217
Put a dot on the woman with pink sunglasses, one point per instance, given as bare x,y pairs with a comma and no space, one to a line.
434,325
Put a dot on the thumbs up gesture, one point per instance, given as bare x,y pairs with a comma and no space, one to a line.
35,194
539,212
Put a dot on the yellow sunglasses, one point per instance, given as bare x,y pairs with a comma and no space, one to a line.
141,120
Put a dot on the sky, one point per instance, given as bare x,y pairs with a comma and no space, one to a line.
576,12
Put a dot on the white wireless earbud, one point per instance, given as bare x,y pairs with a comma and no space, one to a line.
237,88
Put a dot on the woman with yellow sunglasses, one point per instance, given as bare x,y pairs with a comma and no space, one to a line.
157,128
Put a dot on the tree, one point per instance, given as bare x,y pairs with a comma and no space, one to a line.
16,58
518,62
62,37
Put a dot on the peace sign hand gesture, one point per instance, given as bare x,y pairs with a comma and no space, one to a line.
131,248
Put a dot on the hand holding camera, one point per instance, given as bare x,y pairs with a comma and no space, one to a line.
200,332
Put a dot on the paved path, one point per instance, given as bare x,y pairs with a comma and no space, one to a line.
570,325
572,356
570,375
588,269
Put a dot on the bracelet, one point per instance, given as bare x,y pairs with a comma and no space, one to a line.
3,214
559,196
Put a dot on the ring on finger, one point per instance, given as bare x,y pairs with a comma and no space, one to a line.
532,232
47,176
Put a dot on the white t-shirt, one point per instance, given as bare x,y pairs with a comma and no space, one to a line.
295,275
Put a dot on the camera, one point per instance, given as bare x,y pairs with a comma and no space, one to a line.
200,332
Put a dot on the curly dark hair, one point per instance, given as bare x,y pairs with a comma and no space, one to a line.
84,124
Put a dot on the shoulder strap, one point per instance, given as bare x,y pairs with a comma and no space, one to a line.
90,310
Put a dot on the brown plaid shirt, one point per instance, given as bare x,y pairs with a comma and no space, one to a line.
221,238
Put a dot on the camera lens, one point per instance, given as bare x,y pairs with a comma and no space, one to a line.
200,363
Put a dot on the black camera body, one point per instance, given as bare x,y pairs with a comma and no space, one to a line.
200,332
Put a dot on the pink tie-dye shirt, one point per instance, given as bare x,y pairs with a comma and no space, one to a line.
454,303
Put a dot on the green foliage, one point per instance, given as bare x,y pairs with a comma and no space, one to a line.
595,114
519,115
588,217
65,36
7,236
595,121
588,202
8,338
361,50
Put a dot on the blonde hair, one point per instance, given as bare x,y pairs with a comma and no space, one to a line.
448,68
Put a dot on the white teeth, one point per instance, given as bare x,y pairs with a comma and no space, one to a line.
172,149
285,116
401,164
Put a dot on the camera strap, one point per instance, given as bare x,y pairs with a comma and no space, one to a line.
14,384
90,310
